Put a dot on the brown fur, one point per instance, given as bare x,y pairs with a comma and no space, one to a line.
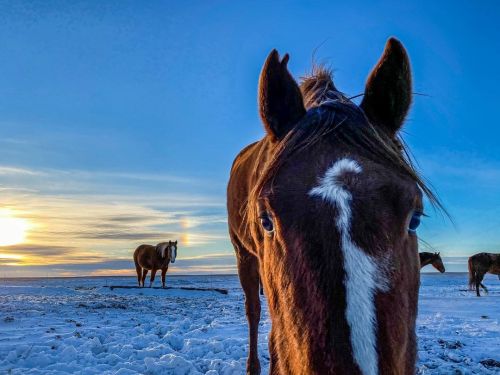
149,258
300,264
431,258
479,265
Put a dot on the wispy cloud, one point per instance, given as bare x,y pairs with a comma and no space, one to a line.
77,181
206,264
36,250
462,166
7,170
95,175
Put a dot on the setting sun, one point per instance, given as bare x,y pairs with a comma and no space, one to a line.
13,229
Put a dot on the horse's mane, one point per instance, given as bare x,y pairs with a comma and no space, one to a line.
428,255
161,247
331,112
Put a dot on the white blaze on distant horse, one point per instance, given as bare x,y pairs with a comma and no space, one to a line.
362,278
172,250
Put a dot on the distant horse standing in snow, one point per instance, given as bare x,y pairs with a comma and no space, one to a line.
479,265
433,259
324,209
154,258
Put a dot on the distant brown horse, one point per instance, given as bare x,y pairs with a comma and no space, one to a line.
479,265
433,259
324,209
154,258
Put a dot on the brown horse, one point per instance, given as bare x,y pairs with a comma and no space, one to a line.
324,209
433,259
479,265
154,258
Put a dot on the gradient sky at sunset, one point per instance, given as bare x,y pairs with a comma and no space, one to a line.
119,120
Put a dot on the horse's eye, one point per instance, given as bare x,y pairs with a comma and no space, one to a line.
266,223
415,221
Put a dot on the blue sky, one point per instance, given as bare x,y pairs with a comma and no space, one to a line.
119,120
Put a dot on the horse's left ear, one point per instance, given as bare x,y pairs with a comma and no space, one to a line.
388,90
175,242
280,100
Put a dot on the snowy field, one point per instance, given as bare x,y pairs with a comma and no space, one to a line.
60,326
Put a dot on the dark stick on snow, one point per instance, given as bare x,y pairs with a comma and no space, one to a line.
218,290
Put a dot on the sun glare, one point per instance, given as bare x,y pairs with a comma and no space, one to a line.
184,239
13,229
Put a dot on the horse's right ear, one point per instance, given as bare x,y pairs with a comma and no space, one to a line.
388,91
280,100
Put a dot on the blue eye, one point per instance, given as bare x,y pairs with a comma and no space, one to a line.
266,223
414,222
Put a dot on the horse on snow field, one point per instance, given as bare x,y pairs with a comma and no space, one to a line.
479,265
324,209
154,258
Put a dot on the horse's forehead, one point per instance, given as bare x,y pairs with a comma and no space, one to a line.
302,172
374,193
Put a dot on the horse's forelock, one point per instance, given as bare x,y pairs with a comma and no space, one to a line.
318,88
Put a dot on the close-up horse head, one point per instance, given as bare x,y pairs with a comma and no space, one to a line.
331,216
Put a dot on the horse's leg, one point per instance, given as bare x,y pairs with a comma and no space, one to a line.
248,270
153,273
485,289
144,274
273,361
481,277
163,274
479,282
138,269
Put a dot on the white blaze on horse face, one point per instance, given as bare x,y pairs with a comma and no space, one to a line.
173,253
362,279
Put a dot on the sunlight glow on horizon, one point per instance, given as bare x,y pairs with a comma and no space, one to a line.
13,230
75,235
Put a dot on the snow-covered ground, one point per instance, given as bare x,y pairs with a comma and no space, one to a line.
79,325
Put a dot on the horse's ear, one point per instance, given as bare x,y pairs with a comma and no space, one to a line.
280,100
388,90
176,242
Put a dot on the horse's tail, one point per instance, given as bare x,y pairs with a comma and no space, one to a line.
138,267
472,274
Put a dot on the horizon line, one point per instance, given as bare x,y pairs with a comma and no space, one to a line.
175,275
